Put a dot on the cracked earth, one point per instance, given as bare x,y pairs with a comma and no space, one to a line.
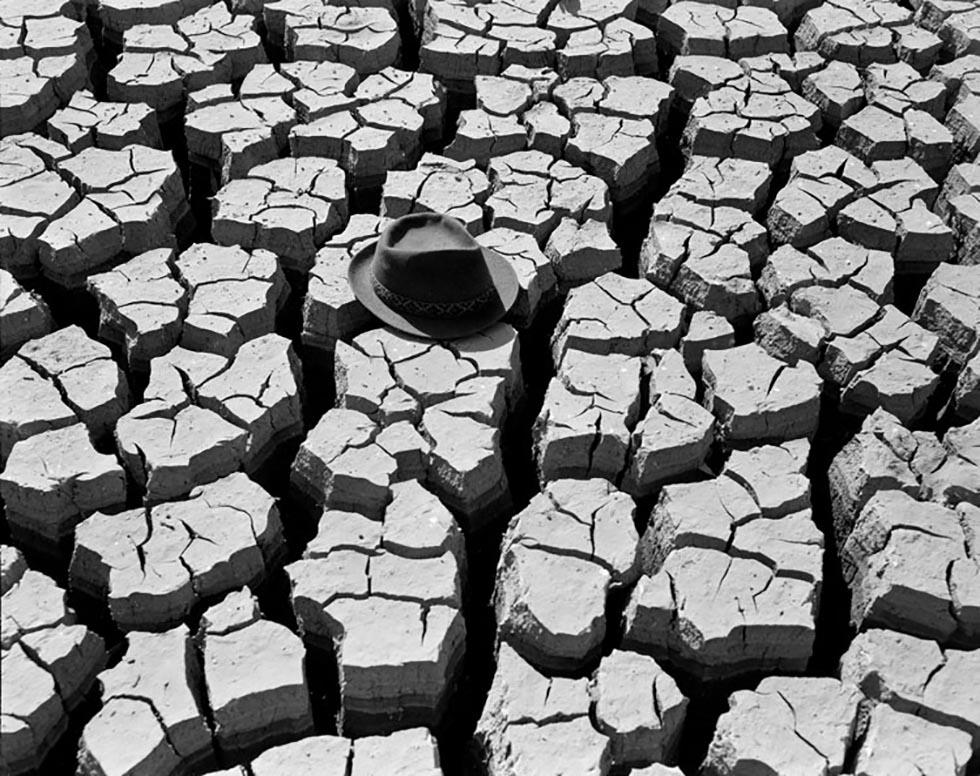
706,501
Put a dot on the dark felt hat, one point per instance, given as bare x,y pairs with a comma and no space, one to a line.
427,276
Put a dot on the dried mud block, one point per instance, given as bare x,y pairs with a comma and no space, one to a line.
793,68
788,336
456,56
290,207
720,633
620,48
895,216
657,770
619,151
843,312
949,305
704,256
366,141
456,393
536,274
35,405
133,201
966,394
117,16
674,437
168,445
36,87
895,562
43,29
895,741
915,676
917,46
141,306
838,90
532,723
859,32
566,20
52,480
628,97
961,77
162,62
438,184
962,179
640,708
405,752
898,88
222,536
30,694
774,475
152,695
59,379
703,243
959,204
948,470
384,598
314,89
233,296
576,535
890,365
24,315
420,91
820,183
874,134
413,751
759,118
531,192
541,81
715,536
31,196
954,22
460,42
547,129
756,398
613,314
799,725
32,604
705,331
330,310
582,252
255,673
49,665
861,275
878,458
481,136
363,38
12,567
260,393
230,135
720,183
589,410
344,464
311,756
686,29
696,75
87,122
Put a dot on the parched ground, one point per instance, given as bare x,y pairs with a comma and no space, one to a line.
707,500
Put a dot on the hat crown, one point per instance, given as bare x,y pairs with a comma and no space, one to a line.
428,257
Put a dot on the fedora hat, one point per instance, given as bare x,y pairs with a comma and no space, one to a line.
427,276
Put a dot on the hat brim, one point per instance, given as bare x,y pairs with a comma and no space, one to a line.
502,276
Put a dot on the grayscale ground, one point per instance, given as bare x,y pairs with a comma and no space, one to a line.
706,502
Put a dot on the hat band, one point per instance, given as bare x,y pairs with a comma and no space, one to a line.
408,306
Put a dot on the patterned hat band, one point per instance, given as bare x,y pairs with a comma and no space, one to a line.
407,306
